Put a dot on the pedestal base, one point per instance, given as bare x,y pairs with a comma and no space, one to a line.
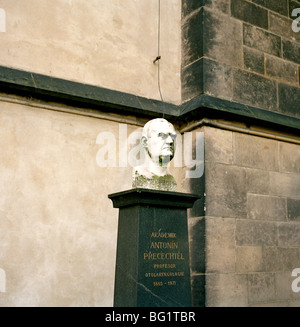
152,267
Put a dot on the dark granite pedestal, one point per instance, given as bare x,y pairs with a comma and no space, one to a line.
152,267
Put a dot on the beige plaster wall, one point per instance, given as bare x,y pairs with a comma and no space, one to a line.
58,229
107,43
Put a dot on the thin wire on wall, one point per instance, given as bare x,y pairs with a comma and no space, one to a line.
157,59
158,52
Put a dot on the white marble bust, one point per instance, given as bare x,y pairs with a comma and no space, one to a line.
159,141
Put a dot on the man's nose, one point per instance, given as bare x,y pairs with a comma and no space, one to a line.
169,139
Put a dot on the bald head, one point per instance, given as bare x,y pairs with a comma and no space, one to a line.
157,124
159,138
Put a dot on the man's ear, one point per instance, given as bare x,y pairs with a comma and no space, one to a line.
144,141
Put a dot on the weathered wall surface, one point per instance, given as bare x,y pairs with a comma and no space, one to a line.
111,44
58,228
247,244
243,51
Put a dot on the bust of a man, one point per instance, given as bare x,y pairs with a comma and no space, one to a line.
159,142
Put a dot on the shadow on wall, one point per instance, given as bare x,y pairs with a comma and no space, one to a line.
197,234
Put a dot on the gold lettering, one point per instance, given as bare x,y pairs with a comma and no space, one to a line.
165,274
163,235
163,256
164,266
164,245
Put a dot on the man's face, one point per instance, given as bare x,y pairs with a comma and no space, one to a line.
161,142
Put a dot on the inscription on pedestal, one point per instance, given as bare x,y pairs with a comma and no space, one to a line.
164,275
152,268
164,260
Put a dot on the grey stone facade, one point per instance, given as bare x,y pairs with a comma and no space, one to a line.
249,236
248,49
245,52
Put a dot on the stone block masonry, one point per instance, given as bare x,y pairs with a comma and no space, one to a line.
251,223
250,13
261,40
254,47
280,7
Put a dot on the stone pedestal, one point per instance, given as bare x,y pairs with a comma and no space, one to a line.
152,267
